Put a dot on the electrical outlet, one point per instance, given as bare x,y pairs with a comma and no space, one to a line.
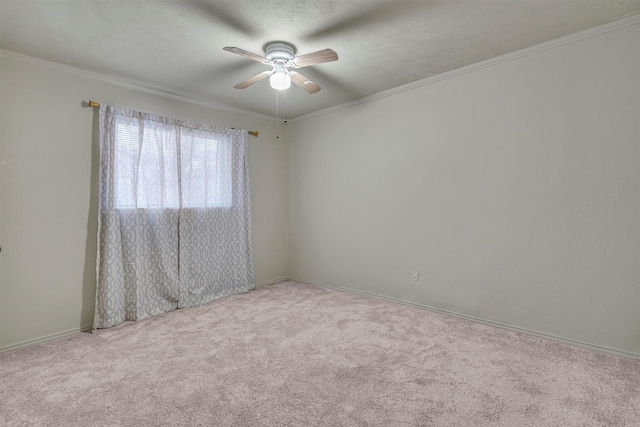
416,276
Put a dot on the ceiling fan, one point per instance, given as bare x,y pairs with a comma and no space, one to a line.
281,56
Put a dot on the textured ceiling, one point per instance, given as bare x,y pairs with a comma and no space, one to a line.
176,46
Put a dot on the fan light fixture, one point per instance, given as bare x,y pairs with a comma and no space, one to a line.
281,56
280,78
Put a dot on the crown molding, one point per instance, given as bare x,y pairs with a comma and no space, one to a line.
552,44
128,84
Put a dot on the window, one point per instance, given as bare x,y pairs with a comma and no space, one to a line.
157,166
171,233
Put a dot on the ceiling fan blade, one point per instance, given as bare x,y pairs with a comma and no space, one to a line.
245,84
247,54
319,57
304,83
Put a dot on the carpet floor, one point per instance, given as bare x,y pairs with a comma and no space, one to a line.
291,354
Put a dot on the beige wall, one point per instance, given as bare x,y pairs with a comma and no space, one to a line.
48,204
513,189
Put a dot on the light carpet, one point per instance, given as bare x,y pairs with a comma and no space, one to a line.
292,354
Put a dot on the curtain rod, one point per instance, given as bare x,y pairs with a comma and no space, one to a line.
97,104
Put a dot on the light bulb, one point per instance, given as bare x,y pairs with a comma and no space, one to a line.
280,79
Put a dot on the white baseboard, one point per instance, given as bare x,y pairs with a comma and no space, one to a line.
45,338
563,340
568,341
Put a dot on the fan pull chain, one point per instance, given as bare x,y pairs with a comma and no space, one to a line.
277,114
285,116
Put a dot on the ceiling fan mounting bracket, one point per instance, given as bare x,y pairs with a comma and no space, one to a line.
279,51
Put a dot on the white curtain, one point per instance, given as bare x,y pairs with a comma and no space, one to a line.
174,225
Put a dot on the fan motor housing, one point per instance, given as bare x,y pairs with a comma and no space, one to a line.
279,51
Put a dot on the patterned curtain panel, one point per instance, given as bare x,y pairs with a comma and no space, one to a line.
174,225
